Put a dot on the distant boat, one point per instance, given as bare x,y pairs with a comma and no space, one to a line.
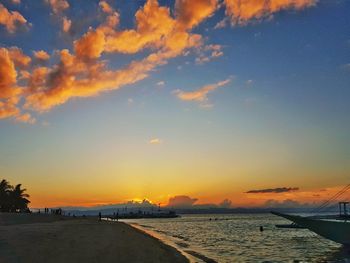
335,228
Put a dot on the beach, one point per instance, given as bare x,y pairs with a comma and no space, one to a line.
50,238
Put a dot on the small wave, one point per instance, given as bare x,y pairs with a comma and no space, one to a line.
146,226
182,244
201,256
160,231
181,237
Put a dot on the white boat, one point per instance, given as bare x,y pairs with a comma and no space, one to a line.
335,228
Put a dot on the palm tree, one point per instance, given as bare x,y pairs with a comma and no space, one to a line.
13,199
19,202
5,189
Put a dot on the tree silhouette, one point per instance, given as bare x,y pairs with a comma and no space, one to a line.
13,199
5,188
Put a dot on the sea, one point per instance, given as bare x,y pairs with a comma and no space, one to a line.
237,238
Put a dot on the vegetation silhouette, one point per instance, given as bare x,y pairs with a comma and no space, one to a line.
13,198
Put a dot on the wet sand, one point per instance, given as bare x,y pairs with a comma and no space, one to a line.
48,238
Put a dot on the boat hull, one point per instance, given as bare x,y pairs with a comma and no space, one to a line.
337,231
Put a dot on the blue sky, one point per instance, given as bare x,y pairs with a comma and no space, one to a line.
282,120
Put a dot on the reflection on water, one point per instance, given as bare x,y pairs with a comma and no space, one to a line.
341,254
237,238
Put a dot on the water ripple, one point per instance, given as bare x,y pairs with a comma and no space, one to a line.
237,238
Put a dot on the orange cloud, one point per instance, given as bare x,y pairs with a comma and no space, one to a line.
8,109
11,19
58,6
26,117
18,57
41,55
24,74
153,22
8,75
91,45
243,11
200,95
9,91
66,24
108,27
155,141
37,79
190,13
75,77
82,75
106,7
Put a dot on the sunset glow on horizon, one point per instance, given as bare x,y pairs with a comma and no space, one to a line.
224,102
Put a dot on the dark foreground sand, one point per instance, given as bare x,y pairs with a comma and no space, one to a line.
58,239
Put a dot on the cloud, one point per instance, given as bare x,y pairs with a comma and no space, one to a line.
184,201
200,95
221,24
155,141
9,90
26,117
106,7
242,12
66,24
160,83
249,82
191,13
8,74
90,45
94,78
214,51
153,23
41,55
19,58
8,109
37,79
81,74
273,190
12,20
16,2
58,6
181,201
225,204
158,36
287,203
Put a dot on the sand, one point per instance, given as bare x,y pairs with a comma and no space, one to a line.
48,238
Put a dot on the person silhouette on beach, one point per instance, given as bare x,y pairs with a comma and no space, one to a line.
99,216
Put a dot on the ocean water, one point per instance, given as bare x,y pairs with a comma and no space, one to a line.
237,238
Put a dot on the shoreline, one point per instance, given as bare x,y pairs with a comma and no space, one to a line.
50,238
183,248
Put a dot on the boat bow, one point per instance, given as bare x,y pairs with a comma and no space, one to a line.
337,231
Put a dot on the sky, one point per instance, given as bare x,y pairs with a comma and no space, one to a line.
104,102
